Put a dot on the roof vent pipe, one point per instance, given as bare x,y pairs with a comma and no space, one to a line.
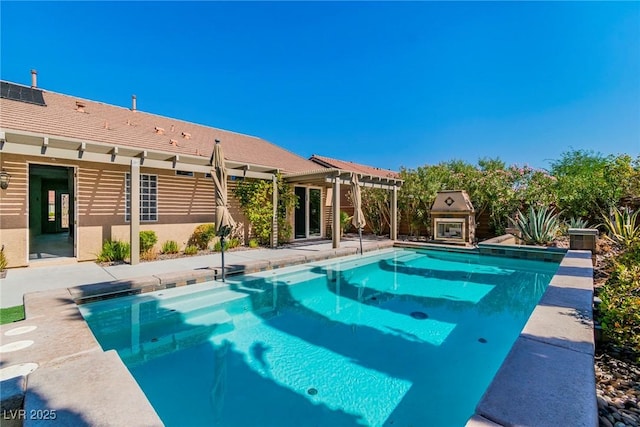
133,103
34,79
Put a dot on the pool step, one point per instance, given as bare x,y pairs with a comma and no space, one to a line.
206,300
208,325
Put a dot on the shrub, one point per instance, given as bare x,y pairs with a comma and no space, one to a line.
538,227
191,250
114,250
256,201
253,243
202,235
170,247
149,255
623,228
620,295
344,221
148,239
234,242
3,259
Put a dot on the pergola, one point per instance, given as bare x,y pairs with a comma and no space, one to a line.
335,178
56,147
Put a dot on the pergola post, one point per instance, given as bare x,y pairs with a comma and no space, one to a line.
134,212
274,225
335,227
394,213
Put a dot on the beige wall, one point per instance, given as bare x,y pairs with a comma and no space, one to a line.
183,204
14,221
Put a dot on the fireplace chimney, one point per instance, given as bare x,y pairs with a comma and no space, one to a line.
133,103
34,79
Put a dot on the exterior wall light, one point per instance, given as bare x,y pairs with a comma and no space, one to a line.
4,179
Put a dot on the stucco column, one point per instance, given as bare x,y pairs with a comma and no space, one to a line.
134,204
274,225
394,213
335,226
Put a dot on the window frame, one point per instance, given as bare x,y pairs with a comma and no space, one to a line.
151,204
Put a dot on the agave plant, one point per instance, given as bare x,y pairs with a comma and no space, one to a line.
537,227
577,223
623,226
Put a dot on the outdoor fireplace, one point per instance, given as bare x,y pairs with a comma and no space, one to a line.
453,218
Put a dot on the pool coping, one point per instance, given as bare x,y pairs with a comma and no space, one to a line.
542,381
560,328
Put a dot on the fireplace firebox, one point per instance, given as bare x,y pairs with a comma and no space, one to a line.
453,218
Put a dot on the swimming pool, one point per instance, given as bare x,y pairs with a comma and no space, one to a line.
398,338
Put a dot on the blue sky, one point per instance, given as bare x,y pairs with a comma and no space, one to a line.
385,84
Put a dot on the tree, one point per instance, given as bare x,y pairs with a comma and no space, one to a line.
589,183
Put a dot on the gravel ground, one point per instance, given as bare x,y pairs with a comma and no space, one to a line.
617,391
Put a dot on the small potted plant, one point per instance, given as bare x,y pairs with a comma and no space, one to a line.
3,264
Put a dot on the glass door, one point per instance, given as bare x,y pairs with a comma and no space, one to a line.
300,216
315,209
308,214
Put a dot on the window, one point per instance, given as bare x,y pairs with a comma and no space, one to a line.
184,173
148,197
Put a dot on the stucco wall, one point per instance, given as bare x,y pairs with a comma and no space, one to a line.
183,203
14,221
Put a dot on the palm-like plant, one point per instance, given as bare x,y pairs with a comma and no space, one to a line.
623,227
537,227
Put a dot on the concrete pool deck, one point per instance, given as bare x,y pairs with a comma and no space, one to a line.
541,383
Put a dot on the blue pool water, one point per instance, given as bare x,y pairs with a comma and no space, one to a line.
399,338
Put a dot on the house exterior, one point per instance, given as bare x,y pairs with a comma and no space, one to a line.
77,166
371,172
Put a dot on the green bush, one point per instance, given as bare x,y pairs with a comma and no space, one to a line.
191,250
344,221
148,239
538,227
202,236
253,243
114,250
170,247
620,295
256,201
234,242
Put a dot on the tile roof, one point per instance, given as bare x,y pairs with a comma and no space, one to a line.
120,126
354,167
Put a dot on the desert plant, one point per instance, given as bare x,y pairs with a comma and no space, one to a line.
577,222
253,243
3,259
114,250
148,239
170,247
202,236
538,227
623,228
191,250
